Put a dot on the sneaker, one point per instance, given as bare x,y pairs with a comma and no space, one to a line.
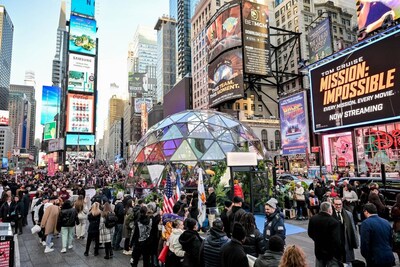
127,252
51,244
70,247
43,243
64,250
48,249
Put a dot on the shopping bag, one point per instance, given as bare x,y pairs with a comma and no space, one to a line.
163,254
35,229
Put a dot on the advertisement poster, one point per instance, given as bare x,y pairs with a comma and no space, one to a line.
74,157
80,113
320,41
4,117
294,125
371,15
225,76
51,167
138,82
50,103
5,252
338,150
256,49
50,130
82,35
4,163
224,31
56,144
83,7
80,139
357,88
143,101
81,73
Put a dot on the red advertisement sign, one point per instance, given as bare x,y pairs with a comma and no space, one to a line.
341,162
5,254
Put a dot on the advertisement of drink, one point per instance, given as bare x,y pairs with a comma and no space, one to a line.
80,113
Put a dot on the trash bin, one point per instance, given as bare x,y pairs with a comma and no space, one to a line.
6,245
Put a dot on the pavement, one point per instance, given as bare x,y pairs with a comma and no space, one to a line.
30,252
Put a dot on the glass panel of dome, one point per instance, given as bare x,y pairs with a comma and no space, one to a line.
152,128
250,134
157,154
165,123
200,132
230,123
227,147
203,116
140,158
197,148
137,149
147,151
177,117
214,153
226,136
189,117
184,152
151,139
214,129
215,119
173,133
183,127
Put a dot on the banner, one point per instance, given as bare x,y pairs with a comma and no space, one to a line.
202,198
82,35
320,41
137,82
294,124
357,88
81,73
50,130
50,103
56,144
80,113
51,167
4,117
80,139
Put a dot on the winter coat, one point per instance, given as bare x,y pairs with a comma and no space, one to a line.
191,243
211,201
68,215
234,215
119,211
94,223
194,209
26,200
232,254
173,242
274,225
105,233
395,212
254,244
155,233
7,211
142,230
129,220
348,235
19,209
210,251
225,221
269,258
50,219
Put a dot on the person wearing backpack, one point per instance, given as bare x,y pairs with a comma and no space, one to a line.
107,229
68,219
141,238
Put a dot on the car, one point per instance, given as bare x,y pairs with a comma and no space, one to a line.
286,178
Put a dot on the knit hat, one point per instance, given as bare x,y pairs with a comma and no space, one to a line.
272,203
238,232
120,195
237,199
276,243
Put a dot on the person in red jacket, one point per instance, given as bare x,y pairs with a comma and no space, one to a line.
237,189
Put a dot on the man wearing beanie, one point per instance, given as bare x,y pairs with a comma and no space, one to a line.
120,213
274,224
232,253
273,255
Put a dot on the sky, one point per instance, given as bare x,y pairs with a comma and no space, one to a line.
34,45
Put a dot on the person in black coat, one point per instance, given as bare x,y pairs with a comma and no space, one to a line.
236,212
94,229
210,250
254,243
27,201
120,213
211,205
191,243
232,253
141,238
68,220
324,230
193,207
225,218
19,215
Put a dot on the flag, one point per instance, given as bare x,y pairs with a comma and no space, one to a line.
202,198
178,184
168,196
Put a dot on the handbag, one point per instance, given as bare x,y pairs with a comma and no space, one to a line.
82,216
36,229
163,254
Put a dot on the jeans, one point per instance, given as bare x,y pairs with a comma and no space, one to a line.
331,263
49,239
117,237
67,235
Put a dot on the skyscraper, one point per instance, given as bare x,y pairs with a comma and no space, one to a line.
59,61
166,57
20,120
116,110
6,44
184,29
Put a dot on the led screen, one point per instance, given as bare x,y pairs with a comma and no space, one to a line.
50,103
81,73
82,35
80,112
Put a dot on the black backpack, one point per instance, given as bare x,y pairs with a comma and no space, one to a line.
111,220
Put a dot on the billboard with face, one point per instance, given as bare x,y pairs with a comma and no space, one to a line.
50,103
225,77
82,35
256,37
359,87
83,7
320,41
143,101
137,82
81,73
80,113
4,117
224,30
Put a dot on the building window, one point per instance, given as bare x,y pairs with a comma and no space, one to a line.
260,108
277,139
264,138
245,106
237,106
307,8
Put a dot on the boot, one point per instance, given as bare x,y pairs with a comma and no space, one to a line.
107,256
111,253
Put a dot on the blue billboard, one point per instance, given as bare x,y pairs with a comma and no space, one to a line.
83,7
4,163
80,139
51,96
82,35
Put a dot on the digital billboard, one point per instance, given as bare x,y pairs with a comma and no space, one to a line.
80,113
224,30
143,101
359,87
56,144
294,124
83,7
137,82
225,76
50,130
50,103
81,73
4,117
4,163
82,35
80,139
320,41
256,50
372,14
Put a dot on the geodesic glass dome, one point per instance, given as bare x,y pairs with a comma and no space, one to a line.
195,136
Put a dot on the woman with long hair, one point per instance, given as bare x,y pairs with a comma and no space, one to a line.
106,233
193,208
254,243
128,226
82,212
293,257
94,228
395,212
141,238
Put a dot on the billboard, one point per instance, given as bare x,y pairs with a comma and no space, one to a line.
4,163
80,113
256,51
56,144
224,30
225,76
82,35
359,87
50,103
320,41
80,139
83,7
4,117
143,101
50,130
81,73
138,82
294,124
371,15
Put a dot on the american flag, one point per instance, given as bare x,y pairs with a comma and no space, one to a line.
169,200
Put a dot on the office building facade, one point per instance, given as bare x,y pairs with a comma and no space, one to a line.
6,141
6,44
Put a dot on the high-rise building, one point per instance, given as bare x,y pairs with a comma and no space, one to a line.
184,29
6,141
127,129
173,9
59,60
115,140
166,57
6,44
20,120
116,110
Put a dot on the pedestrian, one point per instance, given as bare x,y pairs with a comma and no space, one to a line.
274,223
376,238
211,205
272,256
236,212
300,199
19,215
82,211
49,223
293,257
176,254
210,250
191,243
395,214
155,232
225,218
129,222
7,210
324,230
193,205
94,228
232,253
313,203
105,232
254,244
350,198
68,220
141,238
120,213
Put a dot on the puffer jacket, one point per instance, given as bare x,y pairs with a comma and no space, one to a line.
68,215
210,255
191,243
173,243
255,244
270,258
